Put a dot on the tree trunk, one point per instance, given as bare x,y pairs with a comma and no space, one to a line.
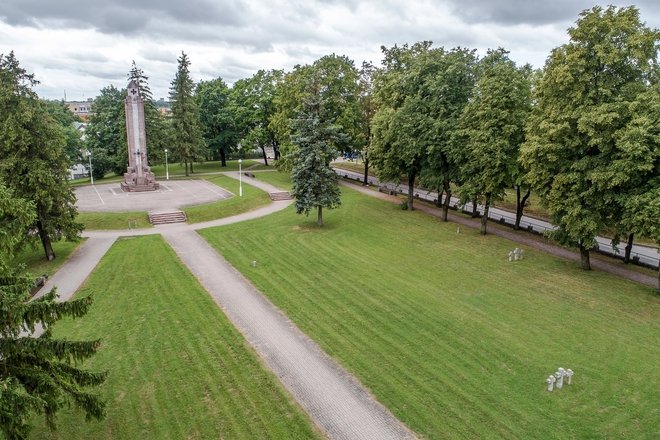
319,217
475,212
192,171
45,241
276,150
223,157
263,150
365,182
484,217
411,190
584,257
626,257
438,201
520,205
658,281
445,206
185,164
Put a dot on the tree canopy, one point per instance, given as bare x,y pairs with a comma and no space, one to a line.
573,154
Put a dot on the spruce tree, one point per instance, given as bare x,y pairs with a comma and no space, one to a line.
187,135
314,182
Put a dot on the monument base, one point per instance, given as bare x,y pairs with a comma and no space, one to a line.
135,183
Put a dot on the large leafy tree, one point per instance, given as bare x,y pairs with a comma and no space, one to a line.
446,91
402,125
314,139
216,118
34,164
105,136
187,136
491,130
367,108
38,375
67,119
583,102
337,78
253,103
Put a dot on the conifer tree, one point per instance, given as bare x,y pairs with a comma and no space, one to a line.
314,182
187,136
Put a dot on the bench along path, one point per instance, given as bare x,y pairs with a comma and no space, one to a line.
337,402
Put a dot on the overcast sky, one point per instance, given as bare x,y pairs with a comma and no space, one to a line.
82,46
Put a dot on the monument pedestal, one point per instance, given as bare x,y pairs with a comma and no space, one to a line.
134,183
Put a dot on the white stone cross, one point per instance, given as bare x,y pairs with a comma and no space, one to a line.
551,382
560,377
511,256
569,375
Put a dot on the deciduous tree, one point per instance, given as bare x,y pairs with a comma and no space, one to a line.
583,101
491,130
216,118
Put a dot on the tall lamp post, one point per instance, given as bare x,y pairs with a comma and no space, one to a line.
167,168
91,174
240,178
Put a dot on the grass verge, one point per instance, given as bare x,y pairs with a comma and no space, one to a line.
35,261
114,220
177,368
252,198
448,334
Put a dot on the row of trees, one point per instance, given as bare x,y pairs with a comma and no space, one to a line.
582,132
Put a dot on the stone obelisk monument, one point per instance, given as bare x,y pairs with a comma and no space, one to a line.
138,176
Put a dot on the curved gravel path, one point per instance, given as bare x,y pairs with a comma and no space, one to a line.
335,400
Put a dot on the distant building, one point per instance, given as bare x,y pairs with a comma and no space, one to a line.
82,108
78,171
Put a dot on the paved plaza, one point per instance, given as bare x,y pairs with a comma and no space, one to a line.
172,195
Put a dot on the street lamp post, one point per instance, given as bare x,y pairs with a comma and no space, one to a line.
167,168
240,178
91,174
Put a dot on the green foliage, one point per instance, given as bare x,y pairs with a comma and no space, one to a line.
66,118
188,145
575,153
16,216
314,182
337,80
253,104
105,136
216,118
403,127
39,375
34,164
491,130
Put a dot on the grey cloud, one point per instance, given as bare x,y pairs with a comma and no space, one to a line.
513,12
124,17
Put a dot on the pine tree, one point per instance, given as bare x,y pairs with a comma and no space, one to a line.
188,143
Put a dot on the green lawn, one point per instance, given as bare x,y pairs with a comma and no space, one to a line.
452,337
276,178
177,368
35,261
114,220
252,198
